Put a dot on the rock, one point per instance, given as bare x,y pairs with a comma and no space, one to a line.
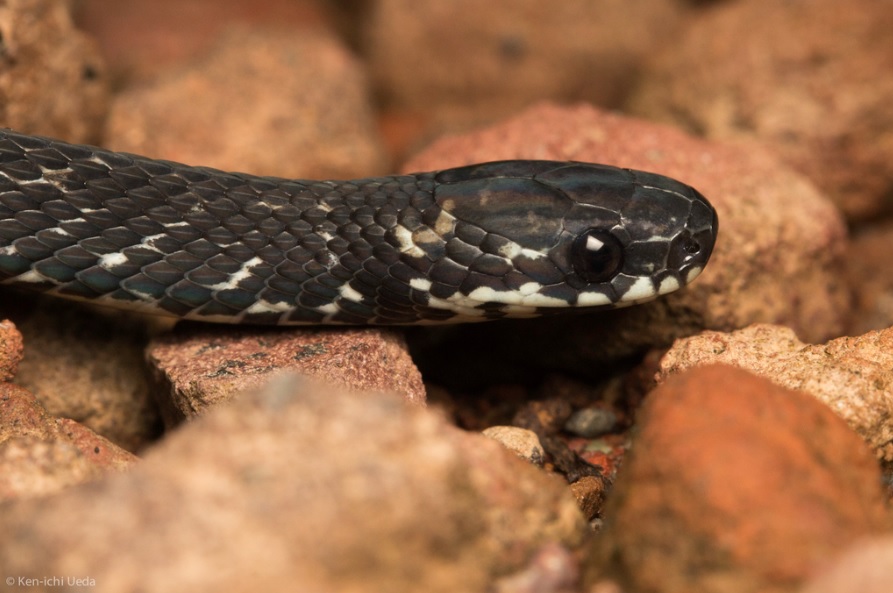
590,493
41,455
142,38
202,367
591,422
778,258
543,417
31,467
851,375
272,103
470,62
86,366
606,453
101,451
811,80
23,415
735,485
302,488
11,350
52,79
552,570
866,567
522,442
870,273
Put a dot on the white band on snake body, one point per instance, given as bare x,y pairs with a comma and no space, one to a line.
486,241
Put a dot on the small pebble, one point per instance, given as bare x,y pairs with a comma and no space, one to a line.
590,493
591,422
524,443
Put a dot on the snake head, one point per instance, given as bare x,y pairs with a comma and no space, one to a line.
541,235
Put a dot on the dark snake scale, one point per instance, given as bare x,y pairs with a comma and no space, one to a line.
487,241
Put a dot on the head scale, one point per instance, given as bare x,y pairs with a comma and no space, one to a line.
536,236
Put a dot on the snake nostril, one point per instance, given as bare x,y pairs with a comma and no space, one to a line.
683,249
691,246
596,255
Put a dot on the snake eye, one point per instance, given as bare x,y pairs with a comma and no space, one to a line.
596,255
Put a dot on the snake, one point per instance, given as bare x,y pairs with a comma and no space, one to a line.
502,239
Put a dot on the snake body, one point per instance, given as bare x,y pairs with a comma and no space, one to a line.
486,241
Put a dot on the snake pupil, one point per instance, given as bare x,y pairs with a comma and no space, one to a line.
596,255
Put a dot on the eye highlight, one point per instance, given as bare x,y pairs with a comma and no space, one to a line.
596,255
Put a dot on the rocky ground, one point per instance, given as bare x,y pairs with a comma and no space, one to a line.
733,437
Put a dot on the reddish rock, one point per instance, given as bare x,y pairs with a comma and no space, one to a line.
264,101
22,414
778,258
866,567
11,350
141,38
851,375
304,488
52,79
41,455
86,366
811,80
98,450
467,62
870,274
204,367
31,467
606,452
735,485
